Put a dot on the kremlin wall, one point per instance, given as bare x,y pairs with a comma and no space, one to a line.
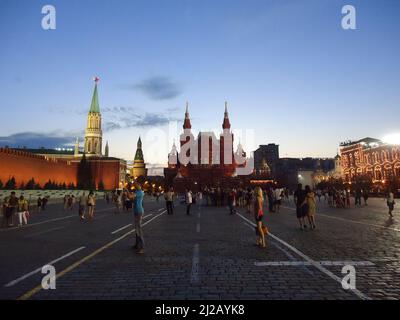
24,165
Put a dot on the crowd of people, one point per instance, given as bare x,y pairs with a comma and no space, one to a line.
16,210
253,200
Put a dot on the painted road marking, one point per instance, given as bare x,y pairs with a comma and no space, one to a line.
38,223
349,220
198,228
11,283
307,263
122,228
311,261
128,225
35,290
47,221
194,276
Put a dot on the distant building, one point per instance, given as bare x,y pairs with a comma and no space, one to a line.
207,166
370,157
289,169
266,157
139,167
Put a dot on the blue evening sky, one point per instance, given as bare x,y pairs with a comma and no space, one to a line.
286,67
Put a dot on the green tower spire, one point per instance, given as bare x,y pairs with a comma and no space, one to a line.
94,106
139,152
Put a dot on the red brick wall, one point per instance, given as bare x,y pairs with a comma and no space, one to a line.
23,166
106,171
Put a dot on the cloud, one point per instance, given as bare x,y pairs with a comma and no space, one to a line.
159,88
38,140
122,117
134,118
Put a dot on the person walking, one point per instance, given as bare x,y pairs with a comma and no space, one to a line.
319,194
249,199
39,204
11,208
118,202
188,200
278,199
365,196
357,197
138,212
231,201
91,203
311,206
169,199
65,201
44,202
301,206
390,202
199,197
22,211
258,216
69,202
81,205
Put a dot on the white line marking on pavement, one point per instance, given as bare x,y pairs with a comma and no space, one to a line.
38,223
248,224
307,263
311,261
11,283
43,232
47,221
122,228
35,290
194,276
198,228
128,225
349,220
285,252
160,209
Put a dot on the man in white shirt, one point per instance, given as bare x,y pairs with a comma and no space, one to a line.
278,198
189,201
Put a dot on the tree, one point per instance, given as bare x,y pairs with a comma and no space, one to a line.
1,184
100,185
50,185
84,176
21,186
11,184
71,186
30,185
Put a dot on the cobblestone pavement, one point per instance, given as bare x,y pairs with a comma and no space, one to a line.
208,255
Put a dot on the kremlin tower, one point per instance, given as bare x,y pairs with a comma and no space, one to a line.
93,133
139,167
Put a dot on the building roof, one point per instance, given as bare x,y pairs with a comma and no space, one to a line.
139,152
46,151
94,106
366,140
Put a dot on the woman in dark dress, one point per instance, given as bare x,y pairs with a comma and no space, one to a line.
301,206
